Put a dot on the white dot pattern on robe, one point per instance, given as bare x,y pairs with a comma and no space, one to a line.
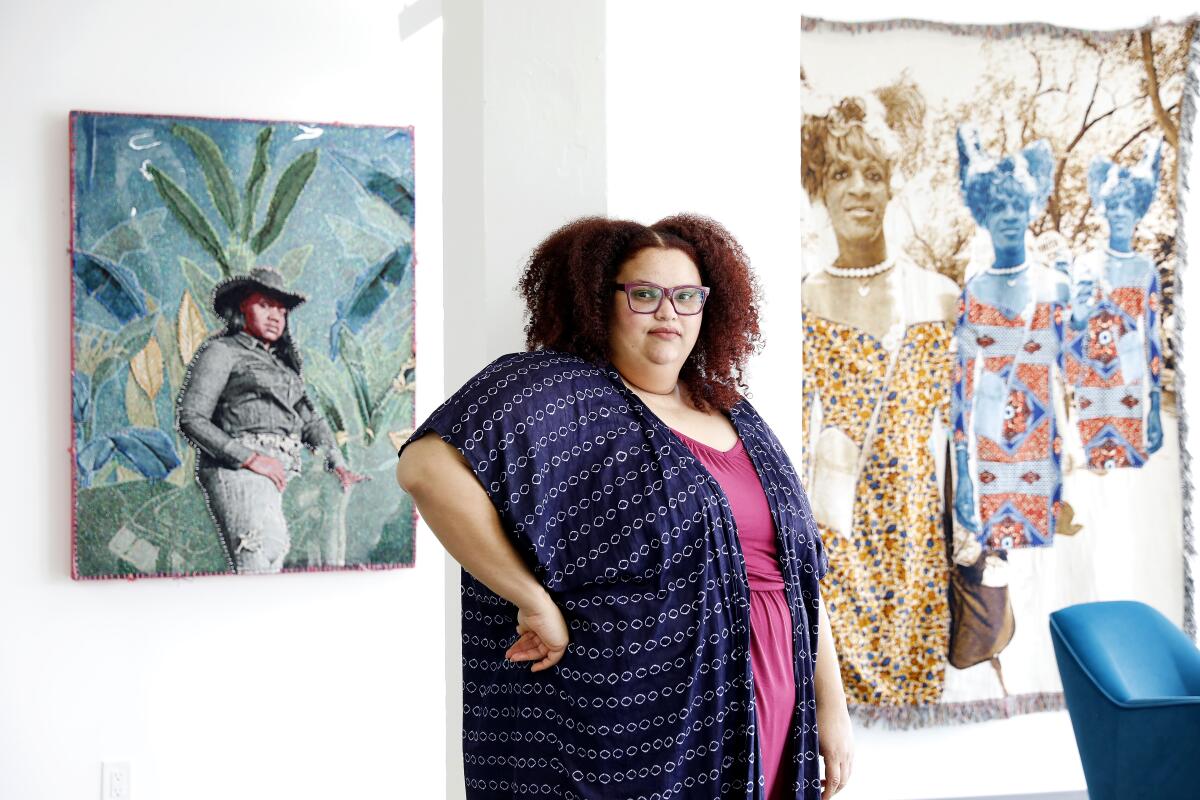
635,541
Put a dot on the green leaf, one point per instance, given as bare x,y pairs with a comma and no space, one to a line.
391,408
138,407
133,337
216,172
379,214
287,192
130,236
352,357
292,263
190,216
199,280
359,242
333,415
382,408
254,183
168,340
130,340
329,407
104,370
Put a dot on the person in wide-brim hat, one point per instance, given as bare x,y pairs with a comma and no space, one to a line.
268,280
246,410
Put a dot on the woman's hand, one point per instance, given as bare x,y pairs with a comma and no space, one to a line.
269,467
1154,431
836,741
964,503
835,738
964,493
348,478
1084,304
543,635
458,511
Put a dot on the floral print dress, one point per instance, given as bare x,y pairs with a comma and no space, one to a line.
880,512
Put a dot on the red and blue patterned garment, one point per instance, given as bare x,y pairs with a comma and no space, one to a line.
1017,473
1112,395
636,542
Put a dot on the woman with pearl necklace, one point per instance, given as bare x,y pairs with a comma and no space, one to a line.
1008,449
1114,351
876,401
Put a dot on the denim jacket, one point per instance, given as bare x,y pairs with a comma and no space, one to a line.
237,385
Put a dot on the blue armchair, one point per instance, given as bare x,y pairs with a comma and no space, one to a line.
1132,685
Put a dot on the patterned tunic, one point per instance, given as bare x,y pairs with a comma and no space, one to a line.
886,590
1112,387
636,543
1014,447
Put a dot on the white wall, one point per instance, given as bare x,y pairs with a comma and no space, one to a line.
525,152
703,115
307,686
298,686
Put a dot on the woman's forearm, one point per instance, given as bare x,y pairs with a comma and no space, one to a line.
207,377
827,674
457,509
835,735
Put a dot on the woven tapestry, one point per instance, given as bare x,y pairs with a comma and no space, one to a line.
243,365
992,261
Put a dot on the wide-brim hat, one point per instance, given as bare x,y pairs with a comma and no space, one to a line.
267,280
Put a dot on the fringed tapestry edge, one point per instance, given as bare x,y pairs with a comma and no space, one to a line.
1187,121
1005,31
928,716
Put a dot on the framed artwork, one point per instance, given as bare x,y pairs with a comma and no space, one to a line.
992,252
243,363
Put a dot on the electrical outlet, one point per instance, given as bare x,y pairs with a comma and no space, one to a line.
114,780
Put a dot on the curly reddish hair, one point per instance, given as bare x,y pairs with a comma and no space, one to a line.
567,286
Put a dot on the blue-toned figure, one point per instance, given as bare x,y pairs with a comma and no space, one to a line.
1114,352
1009,340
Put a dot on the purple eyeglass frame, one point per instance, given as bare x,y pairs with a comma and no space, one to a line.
668,292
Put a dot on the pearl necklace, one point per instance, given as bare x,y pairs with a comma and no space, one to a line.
1118,253
863,274
1006,271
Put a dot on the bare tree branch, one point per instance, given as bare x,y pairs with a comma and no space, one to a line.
1079,229
1092,100
1144,129
1053,206
1083,131
1029,118
1164,119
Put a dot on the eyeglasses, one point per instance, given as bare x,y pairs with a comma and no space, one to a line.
646,298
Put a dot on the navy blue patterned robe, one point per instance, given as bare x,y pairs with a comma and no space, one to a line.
636,543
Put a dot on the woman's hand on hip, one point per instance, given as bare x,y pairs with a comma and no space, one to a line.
458,511
543,635
268,467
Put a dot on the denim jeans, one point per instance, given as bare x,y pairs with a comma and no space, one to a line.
247,507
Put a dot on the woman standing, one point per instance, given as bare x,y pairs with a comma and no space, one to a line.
1114,349
877,364
612,496
244,407
1010,344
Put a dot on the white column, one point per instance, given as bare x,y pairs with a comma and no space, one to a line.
524,124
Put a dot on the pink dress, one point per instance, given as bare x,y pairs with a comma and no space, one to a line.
770,619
